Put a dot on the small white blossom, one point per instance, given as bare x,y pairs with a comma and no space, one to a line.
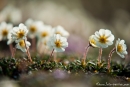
58,43
121,48
60,30
4,30
45,32
92,41
33,27
42,46
21,45
11,14
10,40
19,33
103,38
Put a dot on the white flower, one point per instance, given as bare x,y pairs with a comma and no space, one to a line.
60,30
21,45
121,48
4,30
43,42
58,43
45,32
103,38
92,41
10,40
33,27
42,46
11,14
19,33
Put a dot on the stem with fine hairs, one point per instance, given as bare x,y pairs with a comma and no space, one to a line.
100,55
28,53
11,50
85,53
109,58
34,44
51,54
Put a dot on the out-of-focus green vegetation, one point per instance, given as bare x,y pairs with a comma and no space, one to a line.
62,73
13,68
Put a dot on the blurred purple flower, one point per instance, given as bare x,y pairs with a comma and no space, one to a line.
76,44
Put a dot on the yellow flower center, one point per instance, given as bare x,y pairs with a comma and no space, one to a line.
33,29
119,48
103,39
21,43
92,41
44,34
20,33
58,43
4,32
58,33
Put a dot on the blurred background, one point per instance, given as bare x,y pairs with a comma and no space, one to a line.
80,17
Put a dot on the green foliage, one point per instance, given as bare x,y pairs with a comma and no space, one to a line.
12,67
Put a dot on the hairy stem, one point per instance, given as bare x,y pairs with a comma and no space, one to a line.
28,53
109,57
34,44
51,54
11,50
85,53
100,55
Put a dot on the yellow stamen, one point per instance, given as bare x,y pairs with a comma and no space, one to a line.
20,33
58,33
4,32
119,48
21,43
33,29
44,34
58,43
103,39
92,42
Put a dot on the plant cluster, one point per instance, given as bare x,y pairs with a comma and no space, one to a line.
13,68
55,39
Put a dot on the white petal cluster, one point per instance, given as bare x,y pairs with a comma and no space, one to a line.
121,48
33,27
11,14
60,30
19,33
103,38
58,43
4,30
21,45
10,40
45,32
92,41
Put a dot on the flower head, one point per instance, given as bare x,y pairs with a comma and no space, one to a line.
10,40
33,27
60,30
19,33
92,41
121,48
103,38
21,45
11,14
58,43
45,32
4,30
